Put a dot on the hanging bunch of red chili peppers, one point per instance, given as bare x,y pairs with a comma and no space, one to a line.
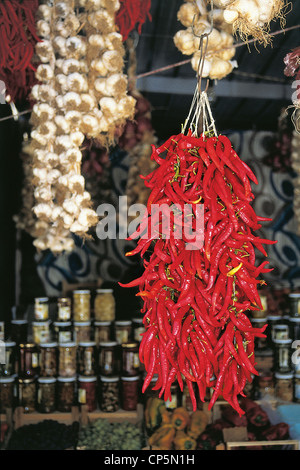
132,13
196,300
17,42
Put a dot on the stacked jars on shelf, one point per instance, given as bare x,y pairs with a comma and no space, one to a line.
84,357
277,355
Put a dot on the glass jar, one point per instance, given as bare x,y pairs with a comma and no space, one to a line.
87,392
104,305
260,343
265,383
297,388
130,359
281,331
64,311
67,359
137,329
282,355
46,394
19,331
108,358
48,359
41,331
284,386
272,321
130,392
28,362
81,305
41,308
261,313
264,359
7,385
82,331
294,328
63,332
102,331
123,329
87,358
294,300
66,393
27,394
8,368
109,394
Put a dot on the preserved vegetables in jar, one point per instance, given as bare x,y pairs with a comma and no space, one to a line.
64,311
123,330
81,305
19,331
63,331
41,331
7,385
87,358
108,358
41,308
138,329
27,394
109,394
49,359
263,312
87,392
66,393
28,362
130,392
282,355
82,331
67,359
102,331
130,359
294,330
284,386
46,394
281,331
297,388
294,300
266,385
8,368
104,305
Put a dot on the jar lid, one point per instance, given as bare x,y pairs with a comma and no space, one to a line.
130,379
109,379
282,341
27,380
274,317
81,378
27,345
46,380
123,322
102,323
39,323
9,344
81,291
50,344
67,344
41,299
82,323
259,320
104,291
129,345
108,343
87,343
9,379
138,320
63,299
19,322
66,379
295,295
295,319
281,326
282,375
62,323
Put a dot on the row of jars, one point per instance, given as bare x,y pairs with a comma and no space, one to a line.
294,306
67,359
50,394
79,308
283,386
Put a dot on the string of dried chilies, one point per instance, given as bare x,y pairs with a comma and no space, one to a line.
195,301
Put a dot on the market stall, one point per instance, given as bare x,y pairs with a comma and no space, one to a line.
154,257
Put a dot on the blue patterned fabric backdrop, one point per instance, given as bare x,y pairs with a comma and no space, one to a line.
273,198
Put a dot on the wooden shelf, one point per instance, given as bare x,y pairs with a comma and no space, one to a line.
134,417
21,419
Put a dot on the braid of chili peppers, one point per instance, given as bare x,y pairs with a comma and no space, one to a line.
196,301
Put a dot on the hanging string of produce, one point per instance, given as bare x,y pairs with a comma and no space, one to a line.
18,38
195,16
195,301
132,13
